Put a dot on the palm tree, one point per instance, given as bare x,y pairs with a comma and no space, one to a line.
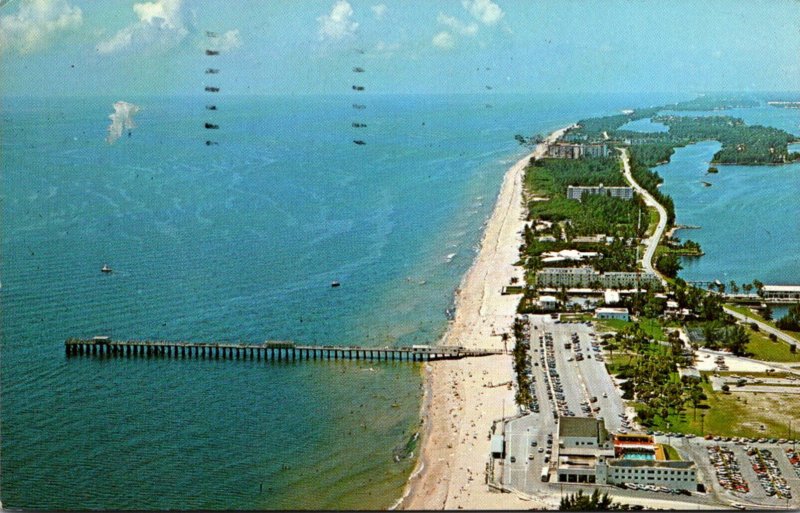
747,288
736,339
695,396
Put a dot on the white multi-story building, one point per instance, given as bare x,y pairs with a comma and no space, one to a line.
576,192
681,475
563,150
585,277
587,453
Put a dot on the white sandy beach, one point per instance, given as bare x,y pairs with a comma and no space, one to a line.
461,406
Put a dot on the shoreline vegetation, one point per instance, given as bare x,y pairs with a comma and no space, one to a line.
533,216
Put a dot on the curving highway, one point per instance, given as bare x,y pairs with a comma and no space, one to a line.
652,242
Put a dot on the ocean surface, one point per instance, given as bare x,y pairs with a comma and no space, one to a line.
238,241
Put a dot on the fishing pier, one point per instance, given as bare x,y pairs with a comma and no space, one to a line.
270,350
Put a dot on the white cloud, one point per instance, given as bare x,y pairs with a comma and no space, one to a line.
485,11
379,11
457,25
35,23
383,47
121,120
444,40
228,41
160,24
338,24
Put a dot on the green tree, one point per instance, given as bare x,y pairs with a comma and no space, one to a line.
736,339
766,313
593,502
669,265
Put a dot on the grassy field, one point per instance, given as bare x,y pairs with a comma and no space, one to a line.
651,327
577,317
736,414
762,348
749,313
670,452
653,218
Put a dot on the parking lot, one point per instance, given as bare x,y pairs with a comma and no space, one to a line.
733,478
567,379
567,372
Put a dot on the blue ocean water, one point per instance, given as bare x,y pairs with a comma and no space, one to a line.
238,241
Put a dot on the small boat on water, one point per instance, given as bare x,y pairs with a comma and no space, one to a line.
335,284
706,184
106,269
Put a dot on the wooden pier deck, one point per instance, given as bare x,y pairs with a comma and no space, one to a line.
270,350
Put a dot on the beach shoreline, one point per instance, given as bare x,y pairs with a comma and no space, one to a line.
464,397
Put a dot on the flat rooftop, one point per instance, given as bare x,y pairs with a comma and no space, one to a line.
651,463
782,288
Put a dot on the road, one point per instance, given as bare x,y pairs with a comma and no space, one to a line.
652,242
764,327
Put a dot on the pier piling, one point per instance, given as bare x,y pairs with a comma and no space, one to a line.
282,351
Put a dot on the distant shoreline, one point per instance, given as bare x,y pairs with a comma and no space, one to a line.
459,406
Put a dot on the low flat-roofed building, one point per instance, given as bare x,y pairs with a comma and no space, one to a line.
548,302
781,292
498,446
612,313
567,254
582,432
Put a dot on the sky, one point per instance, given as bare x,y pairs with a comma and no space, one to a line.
118,48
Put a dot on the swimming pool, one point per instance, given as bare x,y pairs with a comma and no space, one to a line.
638,456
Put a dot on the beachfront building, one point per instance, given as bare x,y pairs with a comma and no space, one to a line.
572,277
791,292
576,192
587,453
676,475
581,432
562,150
582,441
498,446
624,280
620,314
565,276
